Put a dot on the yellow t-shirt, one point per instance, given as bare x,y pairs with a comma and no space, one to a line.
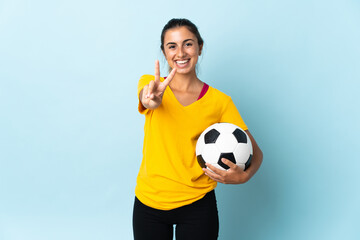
170,176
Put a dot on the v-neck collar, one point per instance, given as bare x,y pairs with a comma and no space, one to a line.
171,93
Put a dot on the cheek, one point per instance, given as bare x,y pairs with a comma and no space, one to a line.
194,52
168,55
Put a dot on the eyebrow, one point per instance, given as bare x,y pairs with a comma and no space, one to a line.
183,41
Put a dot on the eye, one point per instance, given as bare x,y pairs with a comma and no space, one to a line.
188,44
171,46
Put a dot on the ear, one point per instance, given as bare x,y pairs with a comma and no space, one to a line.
200,49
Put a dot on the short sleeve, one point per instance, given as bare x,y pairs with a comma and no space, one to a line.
232,115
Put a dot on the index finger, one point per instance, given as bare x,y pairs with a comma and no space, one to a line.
157,71
229,163
214,170
169,78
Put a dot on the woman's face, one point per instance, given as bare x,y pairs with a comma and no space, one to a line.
181,50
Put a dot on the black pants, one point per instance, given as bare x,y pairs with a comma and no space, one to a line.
198,220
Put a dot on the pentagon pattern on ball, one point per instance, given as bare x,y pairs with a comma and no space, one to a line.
211,136
201,161
240,136
247,164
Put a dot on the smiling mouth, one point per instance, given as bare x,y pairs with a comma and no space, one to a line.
182,63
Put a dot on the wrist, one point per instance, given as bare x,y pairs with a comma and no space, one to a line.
243,178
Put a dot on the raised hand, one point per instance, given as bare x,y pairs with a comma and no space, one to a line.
151,95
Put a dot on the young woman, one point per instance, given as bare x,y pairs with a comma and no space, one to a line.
172,189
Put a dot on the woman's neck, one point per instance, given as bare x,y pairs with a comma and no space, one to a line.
185,82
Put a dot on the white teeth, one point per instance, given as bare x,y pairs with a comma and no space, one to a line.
182,62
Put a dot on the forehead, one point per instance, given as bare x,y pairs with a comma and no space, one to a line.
178,34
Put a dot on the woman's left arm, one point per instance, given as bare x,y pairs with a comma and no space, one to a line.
235,175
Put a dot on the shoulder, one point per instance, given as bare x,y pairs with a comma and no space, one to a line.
145,80
219,94
148,78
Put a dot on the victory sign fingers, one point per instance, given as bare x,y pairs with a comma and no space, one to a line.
153,92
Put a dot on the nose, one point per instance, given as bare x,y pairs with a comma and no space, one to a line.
181,53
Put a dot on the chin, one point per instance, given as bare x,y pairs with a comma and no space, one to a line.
184,70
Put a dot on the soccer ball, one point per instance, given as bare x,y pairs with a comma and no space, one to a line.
224,140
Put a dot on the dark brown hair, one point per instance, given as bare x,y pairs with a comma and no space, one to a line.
180,22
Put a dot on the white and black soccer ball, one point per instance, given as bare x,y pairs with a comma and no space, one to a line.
224,140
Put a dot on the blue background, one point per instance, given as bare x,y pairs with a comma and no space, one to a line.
71,136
